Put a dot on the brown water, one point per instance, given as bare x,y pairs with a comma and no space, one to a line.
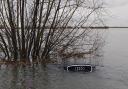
114,74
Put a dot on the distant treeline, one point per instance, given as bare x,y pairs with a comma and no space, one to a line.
68,27
71,27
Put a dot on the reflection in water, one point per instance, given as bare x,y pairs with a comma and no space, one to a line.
52,77
15,77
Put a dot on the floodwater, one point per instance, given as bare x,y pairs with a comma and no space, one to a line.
112,75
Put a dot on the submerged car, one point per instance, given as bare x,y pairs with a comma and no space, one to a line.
85,68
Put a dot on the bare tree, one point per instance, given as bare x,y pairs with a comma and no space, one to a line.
35,30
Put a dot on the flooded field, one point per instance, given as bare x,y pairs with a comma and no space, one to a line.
112,75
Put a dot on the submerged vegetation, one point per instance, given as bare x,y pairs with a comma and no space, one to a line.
37,31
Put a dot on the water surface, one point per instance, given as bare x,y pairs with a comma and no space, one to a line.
114,74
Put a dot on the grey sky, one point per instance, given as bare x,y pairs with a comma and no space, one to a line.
117,12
